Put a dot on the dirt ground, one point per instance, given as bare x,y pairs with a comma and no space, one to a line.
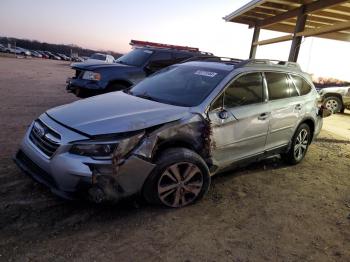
265,212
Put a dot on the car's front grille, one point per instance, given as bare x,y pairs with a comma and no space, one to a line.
44,138
34,170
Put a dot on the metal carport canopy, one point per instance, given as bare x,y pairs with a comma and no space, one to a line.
301,18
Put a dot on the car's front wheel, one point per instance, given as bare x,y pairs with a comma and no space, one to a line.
180,178
299,146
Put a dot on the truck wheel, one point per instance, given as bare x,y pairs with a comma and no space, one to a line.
333,103
81,93
180,178
299,146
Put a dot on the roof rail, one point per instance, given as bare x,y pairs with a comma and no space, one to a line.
138,43
268,62
212,58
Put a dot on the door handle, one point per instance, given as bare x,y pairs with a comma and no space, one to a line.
298,107
264,116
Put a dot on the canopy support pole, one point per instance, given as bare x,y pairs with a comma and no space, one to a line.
254,40
296,42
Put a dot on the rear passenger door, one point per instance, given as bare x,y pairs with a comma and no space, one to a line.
285,107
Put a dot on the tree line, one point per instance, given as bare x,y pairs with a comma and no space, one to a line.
56,48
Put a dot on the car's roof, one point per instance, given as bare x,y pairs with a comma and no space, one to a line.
248,65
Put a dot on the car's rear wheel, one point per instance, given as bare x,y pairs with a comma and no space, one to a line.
299,146
333,103
180,178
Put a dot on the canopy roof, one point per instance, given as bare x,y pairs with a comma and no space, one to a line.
325,18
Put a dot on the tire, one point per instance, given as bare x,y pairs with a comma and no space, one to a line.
169,186
333,103
114,87
81,93
299,145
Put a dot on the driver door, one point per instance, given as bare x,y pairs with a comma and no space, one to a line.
241,123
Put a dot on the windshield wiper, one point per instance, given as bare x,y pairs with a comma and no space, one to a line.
148,97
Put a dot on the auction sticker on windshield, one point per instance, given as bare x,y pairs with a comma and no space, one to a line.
205,73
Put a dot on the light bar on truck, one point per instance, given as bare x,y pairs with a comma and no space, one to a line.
137,43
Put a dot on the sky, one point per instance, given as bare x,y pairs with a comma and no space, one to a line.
111,24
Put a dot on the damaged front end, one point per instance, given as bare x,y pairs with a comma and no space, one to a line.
135,156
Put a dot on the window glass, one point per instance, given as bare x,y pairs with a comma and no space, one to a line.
278,85
247,89
136,57
182,85
161,59
217,104
181,56
301,84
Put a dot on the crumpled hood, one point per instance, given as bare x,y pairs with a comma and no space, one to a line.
96,65
115,112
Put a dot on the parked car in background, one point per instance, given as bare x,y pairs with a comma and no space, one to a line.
17,51
336,99
98,57
36,54
166,136
23,51
145,59
77,59
52,55
2,48
64,57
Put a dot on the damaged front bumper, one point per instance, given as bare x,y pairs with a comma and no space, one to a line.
75,83
72,176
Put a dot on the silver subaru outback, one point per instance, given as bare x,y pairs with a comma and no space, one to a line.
165,137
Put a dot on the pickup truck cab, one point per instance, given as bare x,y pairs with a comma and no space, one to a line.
96,78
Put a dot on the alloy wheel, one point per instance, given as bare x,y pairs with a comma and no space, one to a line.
332,105
180,184
301,144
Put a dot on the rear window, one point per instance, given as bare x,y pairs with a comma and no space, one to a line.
302,85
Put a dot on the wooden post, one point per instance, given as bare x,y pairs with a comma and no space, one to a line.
296,42
255,39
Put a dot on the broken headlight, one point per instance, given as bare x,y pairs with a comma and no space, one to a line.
100,149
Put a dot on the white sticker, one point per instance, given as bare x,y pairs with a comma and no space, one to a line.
148,51
205,73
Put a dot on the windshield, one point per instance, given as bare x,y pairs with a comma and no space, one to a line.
136,57
98,57
180,85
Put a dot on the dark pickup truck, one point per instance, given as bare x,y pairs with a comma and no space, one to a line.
145,59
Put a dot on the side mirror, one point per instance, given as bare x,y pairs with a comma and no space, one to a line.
223,114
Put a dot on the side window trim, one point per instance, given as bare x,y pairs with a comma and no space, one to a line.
266,90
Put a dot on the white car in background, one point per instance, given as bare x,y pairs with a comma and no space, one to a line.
98,58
